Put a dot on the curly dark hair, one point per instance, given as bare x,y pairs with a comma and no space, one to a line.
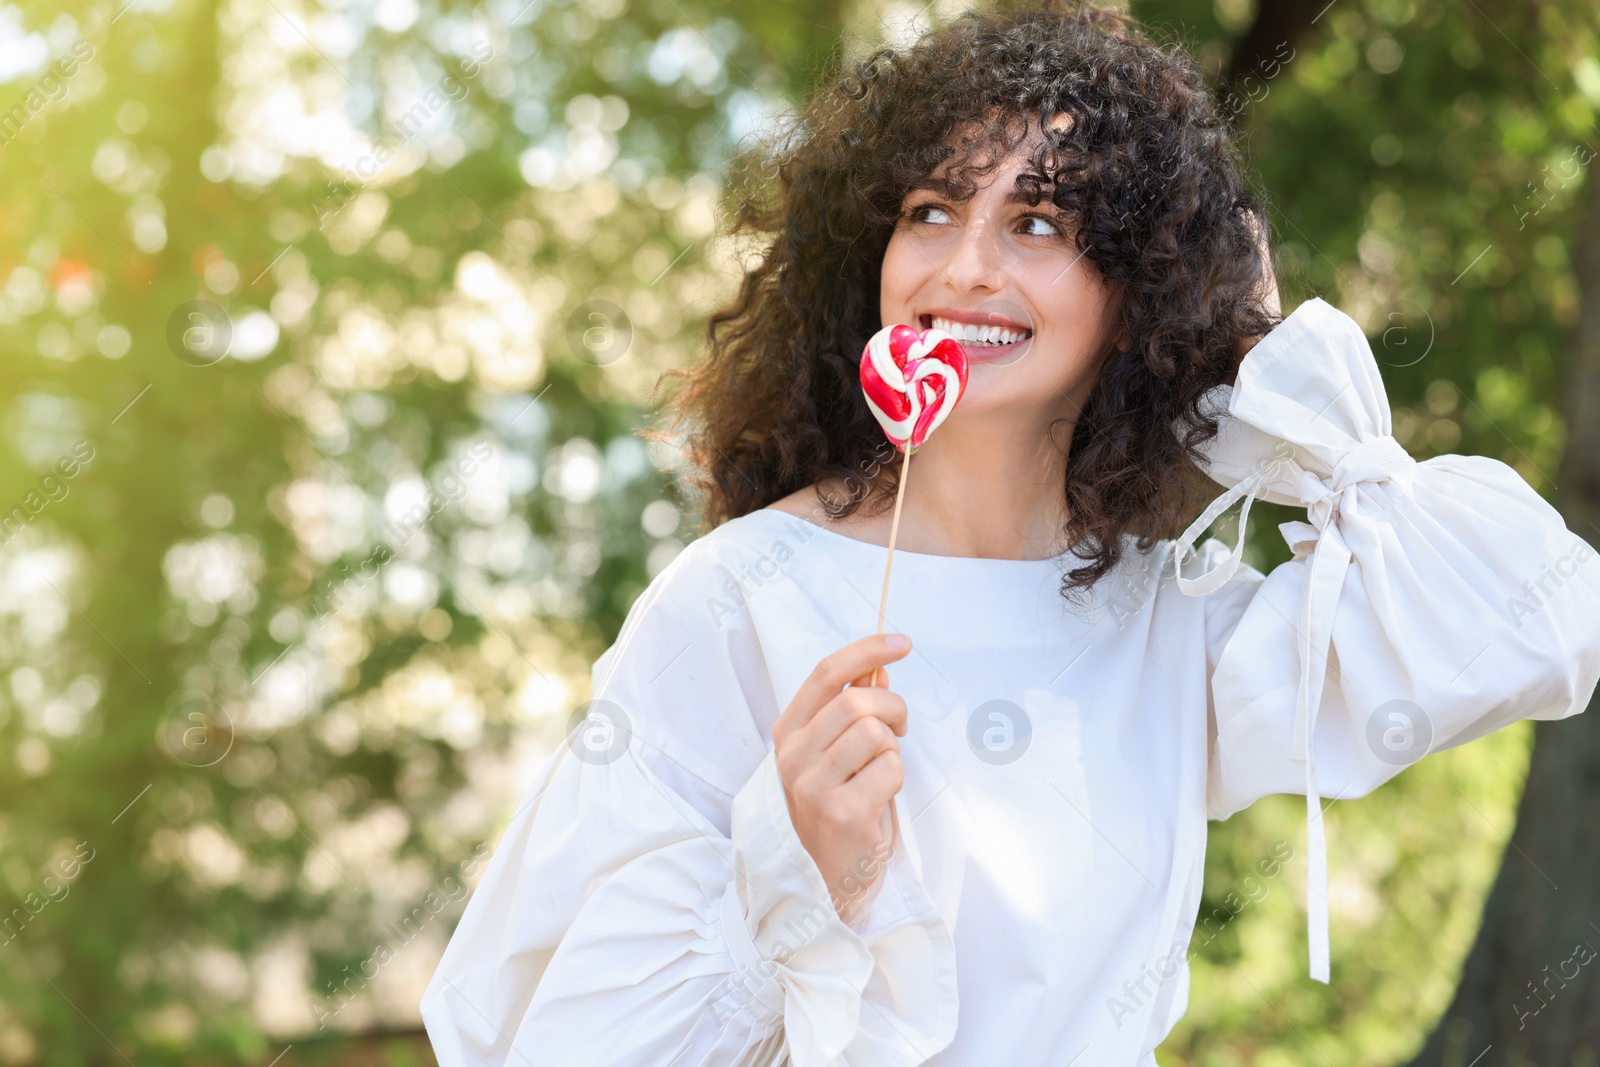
1148,172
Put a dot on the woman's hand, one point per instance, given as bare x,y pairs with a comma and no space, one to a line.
838,755
1266,293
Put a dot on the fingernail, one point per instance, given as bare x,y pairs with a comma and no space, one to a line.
899,641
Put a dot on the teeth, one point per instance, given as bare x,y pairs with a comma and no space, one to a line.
986,335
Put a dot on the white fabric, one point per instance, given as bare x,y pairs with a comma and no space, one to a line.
1060,765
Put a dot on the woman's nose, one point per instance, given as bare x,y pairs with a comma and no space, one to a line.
974,259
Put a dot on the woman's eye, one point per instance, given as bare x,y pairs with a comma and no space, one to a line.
933,213
1054,228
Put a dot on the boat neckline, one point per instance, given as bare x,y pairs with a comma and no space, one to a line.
1051,561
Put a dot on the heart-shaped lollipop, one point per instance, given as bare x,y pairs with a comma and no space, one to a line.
912,379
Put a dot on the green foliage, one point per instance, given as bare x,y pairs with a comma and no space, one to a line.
281,714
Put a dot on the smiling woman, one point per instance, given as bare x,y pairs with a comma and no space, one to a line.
748,854
1051,172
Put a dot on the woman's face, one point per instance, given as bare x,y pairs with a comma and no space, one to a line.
996,264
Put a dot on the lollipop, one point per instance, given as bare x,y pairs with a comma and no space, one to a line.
912,379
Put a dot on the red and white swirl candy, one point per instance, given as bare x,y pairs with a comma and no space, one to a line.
912,379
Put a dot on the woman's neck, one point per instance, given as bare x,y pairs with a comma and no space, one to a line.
974,490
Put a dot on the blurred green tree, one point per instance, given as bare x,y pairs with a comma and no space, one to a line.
353,308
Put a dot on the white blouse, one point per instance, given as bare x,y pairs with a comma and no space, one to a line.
650,903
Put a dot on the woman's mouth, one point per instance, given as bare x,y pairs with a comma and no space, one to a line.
981,342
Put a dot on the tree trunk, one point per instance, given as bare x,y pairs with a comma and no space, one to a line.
1530,990
1277,23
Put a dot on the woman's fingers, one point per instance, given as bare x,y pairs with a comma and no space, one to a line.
832,674
877,782
843,711
860,743
853,703
838,756
1268,290
804,748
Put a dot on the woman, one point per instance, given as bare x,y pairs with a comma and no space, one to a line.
746,854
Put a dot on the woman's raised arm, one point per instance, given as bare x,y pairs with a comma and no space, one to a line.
1426,605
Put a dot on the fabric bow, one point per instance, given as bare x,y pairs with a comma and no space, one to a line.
1308,401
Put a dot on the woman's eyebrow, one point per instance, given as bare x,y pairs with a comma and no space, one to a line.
1020,195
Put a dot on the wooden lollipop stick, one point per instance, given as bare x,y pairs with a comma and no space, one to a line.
894,530
911,379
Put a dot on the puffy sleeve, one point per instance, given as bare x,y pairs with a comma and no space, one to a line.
1426,604
650,902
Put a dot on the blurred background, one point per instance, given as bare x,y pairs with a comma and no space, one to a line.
327,326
